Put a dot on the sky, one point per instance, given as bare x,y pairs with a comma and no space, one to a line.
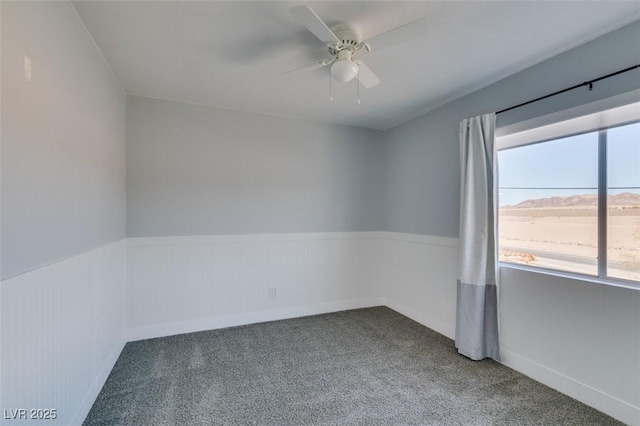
569,166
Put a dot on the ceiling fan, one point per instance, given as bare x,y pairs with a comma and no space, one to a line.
344,41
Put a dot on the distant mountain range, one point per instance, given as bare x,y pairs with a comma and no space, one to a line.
586,200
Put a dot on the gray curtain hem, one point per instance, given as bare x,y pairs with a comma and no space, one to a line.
477,321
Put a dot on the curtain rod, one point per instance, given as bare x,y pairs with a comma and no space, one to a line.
586,83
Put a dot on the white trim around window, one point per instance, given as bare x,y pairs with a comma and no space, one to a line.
609,112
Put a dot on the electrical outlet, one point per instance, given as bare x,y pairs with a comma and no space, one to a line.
272,293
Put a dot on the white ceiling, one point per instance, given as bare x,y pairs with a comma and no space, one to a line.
230,54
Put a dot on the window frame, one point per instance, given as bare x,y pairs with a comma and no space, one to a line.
602,191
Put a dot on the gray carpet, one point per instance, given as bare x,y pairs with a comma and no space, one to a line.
367,367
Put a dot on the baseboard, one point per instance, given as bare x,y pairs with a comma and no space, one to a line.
599,400
170,329
98,383
422,318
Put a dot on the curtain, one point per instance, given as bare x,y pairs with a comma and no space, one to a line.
477,287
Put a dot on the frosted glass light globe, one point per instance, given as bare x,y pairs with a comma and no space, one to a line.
344,70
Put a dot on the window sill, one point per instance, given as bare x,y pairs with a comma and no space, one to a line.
568,275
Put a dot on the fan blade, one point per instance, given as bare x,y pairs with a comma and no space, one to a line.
399,35
309,19
310,67
366,77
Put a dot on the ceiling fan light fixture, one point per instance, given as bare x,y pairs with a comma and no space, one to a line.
344,70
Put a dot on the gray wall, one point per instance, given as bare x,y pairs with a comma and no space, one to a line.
195,170
422,176
63,139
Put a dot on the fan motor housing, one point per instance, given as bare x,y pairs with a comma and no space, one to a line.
349,37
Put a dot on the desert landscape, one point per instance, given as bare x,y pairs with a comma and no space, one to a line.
562,233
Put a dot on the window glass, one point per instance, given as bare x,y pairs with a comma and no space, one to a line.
623,202
548,204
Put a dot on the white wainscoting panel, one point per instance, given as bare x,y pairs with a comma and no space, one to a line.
184,284
63,324
62,330
579,337
419,278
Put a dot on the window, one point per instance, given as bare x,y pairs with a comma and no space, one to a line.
569,196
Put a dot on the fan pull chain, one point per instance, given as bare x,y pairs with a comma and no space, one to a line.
358,85
330,93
